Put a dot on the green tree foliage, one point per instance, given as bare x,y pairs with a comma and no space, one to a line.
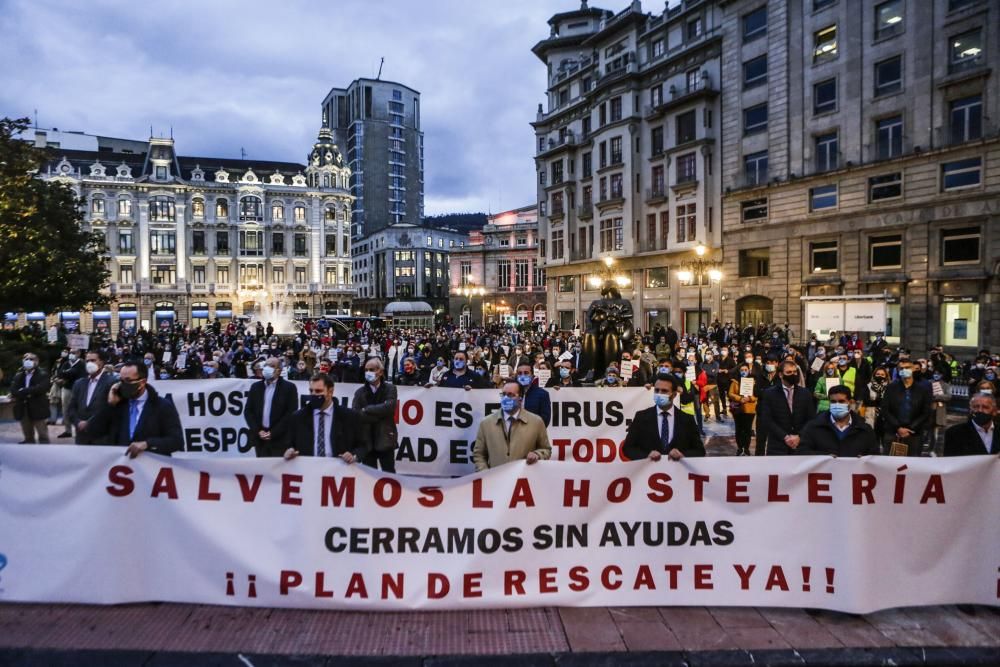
48,262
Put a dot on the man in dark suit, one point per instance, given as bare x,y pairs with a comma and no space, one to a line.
30,389
89,396
271,400
784,410
978,435
906,409
375,403
324,428
137,417
663,429
838,432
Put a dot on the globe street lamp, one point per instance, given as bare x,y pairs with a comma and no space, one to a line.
696,270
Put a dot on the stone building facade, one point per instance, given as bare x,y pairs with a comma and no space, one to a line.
194,238
862,156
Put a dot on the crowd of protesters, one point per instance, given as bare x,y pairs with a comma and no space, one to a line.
901,396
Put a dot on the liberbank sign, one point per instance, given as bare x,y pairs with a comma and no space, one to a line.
862,313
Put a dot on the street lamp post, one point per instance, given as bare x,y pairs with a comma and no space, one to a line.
696,270
470,291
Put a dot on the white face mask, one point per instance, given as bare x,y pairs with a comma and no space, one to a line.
91,368
267,372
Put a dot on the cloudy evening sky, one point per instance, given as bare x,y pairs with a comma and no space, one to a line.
227,74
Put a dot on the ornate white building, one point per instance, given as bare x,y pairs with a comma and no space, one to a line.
195,238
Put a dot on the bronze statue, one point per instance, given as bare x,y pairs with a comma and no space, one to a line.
609,324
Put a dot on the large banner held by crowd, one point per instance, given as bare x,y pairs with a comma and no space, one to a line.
88,525
437,426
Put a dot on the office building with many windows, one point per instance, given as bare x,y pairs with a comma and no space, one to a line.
862,157
194,238
628,159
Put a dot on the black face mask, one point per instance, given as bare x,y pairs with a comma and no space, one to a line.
981,418
792,378
128,390
315,402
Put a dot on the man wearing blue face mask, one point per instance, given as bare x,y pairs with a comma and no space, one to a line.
459,375
510,434
663,429
536,399
906,409
838,432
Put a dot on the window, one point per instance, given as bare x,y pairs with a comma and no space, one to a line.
125,274
755,262
959,323
664,229
755,24
822,4
503,274
658,277
656,140
753,210
538,279
825,44
960,245
300,275
611,234
97,206
567,283
827,152
823,256
651,230
755,72
616,186
345,244
658,181
755,168
588,196
221,242
222,274
161,173
278,275
885,252
889,76
687,168
251,244
125,207
557,172
825,96
888,19
161,209
822,197
330,275
686,127
961,174
125,245
656,49
889,186
616,109
656,95
300,213
966,51
300,245
251,209
277,212
198,243
602,150
694,28
966,119
616,150
541,177
521,274
163,275
198,274
603,189
755,119
558,244
889,137
331,245
162,243
588,166
557,203
221,208
277,243
686,218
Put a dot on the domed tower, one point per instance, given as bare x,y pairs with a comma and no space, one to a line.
326,163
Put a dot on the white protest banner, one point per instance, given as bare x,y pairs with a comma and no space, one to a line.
824,315
78,341
437,426
746,386
865,316
854,535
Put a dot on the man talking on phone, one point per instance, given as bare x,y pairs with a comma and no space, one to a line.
138,418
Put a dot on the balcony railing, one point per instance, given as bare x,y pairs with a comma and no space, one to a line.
656,192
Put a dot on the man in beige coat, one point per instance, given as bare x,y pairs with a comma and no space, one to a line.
510,434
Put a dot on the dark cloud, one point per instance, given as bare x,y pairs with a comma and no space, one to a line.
233,74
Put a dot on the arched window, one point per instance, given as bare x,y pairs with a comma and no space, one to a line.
161,209
330,307
198,208
326,180
251,209
221,208
330,213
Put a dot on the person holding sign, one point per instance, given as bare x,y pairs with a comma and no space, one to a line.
323,428
743,406
906,409
535,399
663,429
511,434
271,400
827,380
838,432
137,417
783,411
